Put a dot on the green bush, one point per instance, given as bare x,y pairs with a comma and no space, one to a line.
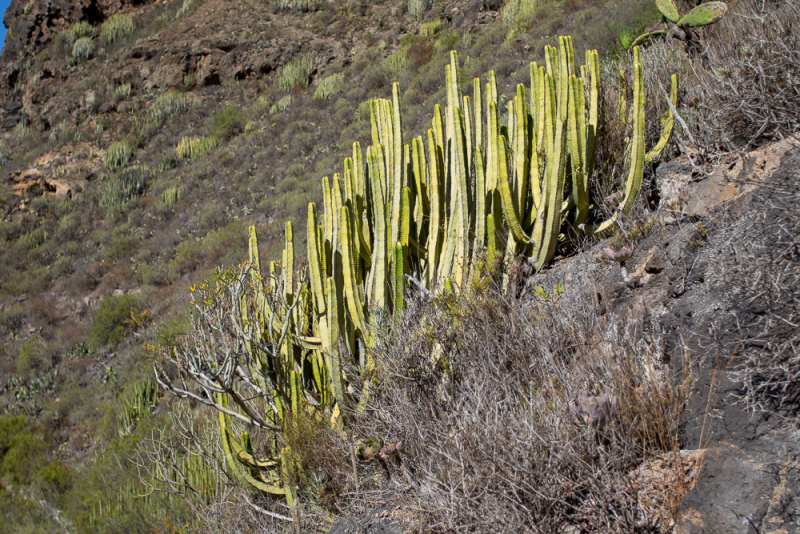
168,103
55,478
118,155
431,29
113,320
129,184
34,355
21,451
32,239
295,72
417,8
81,51
330,86
75,32
22,132
281,105
195,147
170,196
116,27
122,92
302,6
228,122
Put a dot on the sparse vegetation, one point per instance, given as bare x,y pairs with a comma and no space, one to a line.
302,6
257,112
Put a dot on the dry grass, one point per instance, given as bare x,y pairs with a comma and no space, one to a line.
482,389
752,72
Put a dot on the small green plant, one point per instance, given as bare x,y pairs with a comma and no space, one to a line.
281,105
295,72
131,183
303,6
702,15
75,31
228,122
118,155
195,147
397,63
81,51
33,355
418,8
59,171
22,132
518,14
170,196
432,28
112,322
168,103
116,27
330,86
33,239
122,92
139,401
188,5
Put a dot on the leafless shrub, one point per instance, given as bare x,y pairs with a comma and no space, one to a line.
752,73
766,281
482,389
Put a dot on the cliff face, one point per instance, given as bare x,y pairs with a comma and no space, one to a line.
32,25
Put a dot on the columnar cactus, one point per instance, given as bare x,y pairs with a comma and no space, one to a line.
427,208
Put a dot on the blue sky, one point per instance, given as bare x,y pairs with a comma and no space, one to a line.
3,7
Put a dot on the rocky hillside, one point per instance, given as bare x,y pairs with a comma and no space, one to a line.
139,140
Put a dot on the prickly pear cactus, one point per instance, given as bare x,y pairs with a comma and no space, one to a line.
369,449
626,37
668,9
704,14
596,411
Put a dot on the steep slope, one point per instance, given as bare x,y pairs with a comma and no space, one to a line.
106,223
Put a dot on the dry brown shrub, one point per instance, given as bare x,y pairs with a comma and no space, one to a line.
482,389
752,73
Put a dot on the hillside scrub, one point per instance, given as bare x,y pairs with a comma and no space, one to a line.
163,181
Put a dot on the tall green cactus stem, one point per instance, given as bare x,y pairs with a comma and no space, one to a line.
397,259
667,123
556,133
636,172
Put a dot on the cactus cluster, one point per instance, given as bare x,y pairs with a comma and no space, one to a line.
702,15
195,147
139,401
429,208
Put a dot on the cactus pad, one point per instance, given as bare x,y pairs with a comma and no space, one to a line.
369,449
596,411
626,37
668,9
704,14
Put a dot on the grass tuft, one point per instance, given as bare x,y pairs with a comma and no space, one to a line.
118,155
330,86
116,27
